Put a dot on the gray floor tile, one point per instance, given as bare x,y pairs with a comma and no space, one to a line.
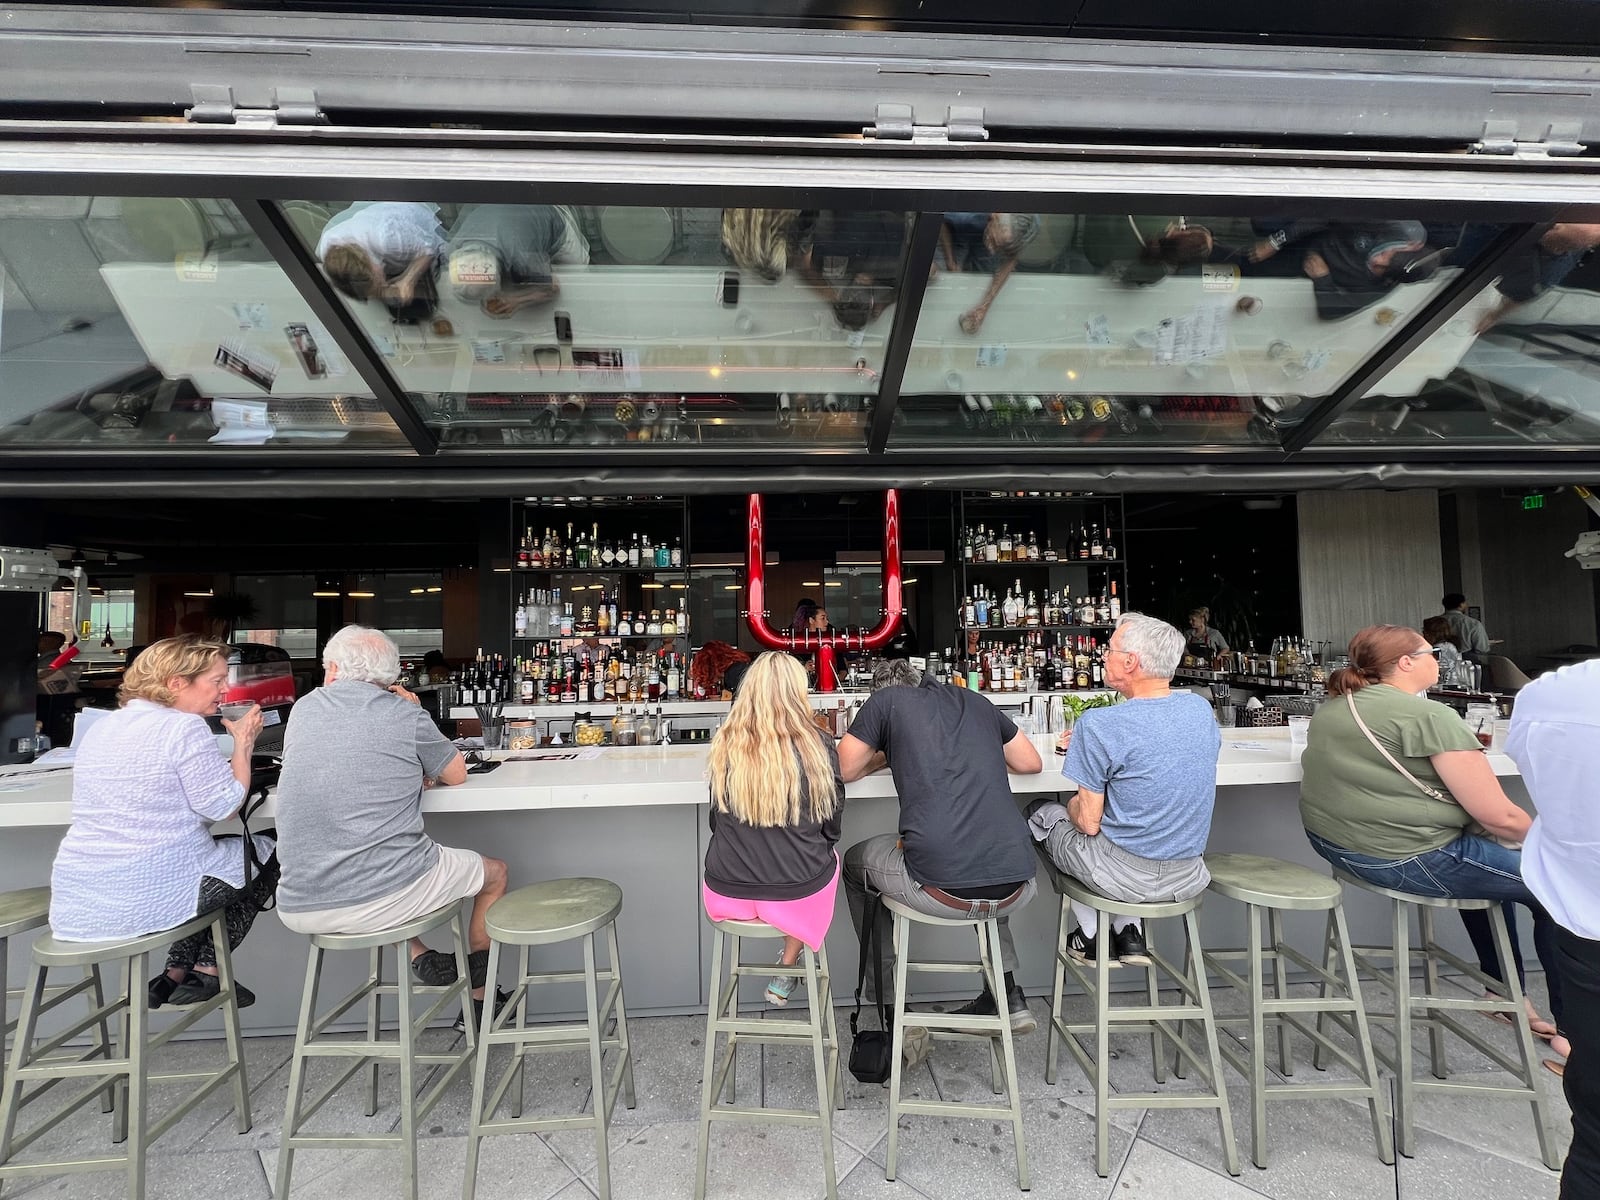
238,1176
866,1182
745,1161
1498,1125
1318,1149
949,1158
1152,1173
1445,1170
511,1168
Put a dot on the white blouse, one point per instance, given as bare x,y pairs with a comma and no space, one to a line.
147,783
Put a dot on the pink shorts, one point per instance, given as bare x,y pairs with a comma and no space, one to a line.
807,918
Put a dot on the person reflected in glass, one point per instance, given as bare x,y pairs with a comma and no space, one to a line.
382,250
501,255
984,241
1351,264
1559,252
852,260
1448,831
776,803
759,240
1141,251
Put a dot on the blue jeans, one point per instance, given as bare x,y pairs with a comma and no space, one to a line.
1469,868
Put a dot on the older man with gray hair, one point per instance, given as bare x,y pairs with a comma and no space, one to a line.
357,753
1146,772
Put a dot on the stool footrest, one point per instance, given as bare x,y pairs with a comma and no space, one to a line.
953,1108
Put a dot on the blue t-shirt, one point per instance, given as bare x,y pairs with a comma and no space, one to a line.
1156,762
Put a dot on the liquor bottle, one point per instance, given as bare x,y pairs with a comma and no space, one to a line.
1115,603
980,608
1005,543
1033,546
1030,614
675,559
991,548
1086,610
1081,671
633,551
1097,548
535,553
602,618
674,677
608,555
568,622
1102,610
521,619
625,626
524,554
1097,664
1083,543
969,615
647,552
1049,553
669,624
663,555
1111,547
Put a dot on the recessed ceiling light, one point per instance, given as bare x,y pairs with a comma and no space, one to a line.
361,595
326,595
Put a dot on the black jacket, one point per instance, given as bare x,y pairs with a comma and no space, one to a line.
780,862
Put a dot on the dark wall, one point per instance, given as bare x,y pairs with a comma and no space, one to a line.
1186,551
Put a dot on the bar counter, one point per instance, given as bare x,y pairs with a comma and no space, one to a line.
637,816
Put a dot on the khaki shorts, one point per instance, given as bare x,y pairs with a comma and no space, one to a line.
457,875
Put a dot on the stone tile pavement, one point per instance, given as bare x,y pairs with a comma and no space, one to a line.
1467,1148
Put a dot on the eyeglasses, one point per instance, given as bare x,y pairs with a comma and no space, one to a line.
1424,650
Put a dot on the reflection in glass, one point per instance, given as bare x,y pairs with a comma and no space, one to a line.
615,326
1090,329
127,321
1529,369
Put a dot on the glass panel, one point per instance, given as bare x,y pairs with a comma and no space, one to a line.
1518,366
149,323
556,325
1110,329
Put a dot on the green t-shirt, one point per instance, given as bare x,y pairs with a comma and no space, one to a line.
1351,795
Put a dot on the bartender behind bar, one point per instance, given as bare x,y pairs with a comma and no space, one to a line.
1204,643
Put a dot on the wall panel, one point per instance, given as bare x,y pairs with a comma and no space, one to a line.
1367,558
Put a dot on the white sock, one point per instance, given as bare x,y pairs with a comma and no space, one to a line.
1088,919
1118,924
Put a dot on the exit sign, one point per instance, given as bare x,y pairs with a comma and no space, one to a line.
1533,501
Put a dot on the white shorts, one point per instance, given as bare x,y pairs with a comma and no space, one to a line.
457,875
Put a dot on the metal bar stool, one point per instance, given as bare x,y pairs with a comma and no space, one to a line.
1002,1061
1439,1008
558,910
1271,887
372,1051
819,1030
125,1072
1154,1018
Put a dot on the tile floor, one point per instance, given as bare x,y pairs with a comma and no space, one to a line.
1466,1148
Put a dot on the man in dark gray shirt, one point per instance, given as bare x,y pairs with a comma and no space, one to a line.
357,754
963,849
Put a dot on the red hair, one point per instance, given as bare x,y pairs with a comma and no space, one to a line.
1373,654
707,667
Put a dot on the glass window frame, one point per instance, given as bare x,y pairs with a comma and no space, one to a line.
259,179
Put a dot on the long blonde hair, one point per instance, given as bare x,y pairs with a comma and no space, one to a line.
768,752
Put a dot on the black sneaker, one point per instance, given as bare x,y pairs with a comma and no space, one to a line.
434,968
200,987
500,998
1080,948
1022,1019
161,989
1129,946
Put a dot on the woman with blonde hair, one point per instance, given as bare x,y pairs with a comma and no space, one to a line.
776,796
147,783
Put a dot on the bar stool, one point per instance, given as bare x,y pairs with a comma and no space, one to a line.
1439,1007
542,914
20,912
370,1053
1002,1062
125,1071
819,1030
1155,1018
1271,887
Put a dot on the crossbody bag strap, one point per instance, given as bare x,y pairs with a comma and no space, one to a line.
1425,789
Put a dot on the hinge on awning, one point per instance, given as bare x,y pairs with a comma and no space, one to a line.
895,123
1558,141
214,105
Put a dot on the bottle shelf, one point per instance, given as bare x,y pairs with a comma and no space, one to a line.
1060,562
599,637
1030,628
613,570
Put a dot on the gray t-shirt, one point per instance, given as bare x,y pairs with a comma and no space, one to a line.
525,237
349,801
1155,761
959,826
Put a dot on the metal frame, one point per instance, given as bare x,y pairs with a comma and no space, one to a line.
294,258
654,73
916,265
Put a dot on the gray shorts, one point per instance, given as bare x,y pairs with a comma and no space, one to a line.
1114,873
455,876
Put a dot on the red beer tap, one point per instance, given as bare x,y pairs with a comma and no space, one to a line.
827,643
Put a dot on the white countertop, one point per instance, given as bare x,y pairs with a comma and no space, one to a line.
651,775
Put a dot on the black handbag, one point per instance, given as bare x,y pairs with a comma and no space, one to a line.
264,770
871,1050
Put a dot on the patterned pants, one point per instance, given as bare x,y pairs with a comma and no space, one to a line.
239,907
